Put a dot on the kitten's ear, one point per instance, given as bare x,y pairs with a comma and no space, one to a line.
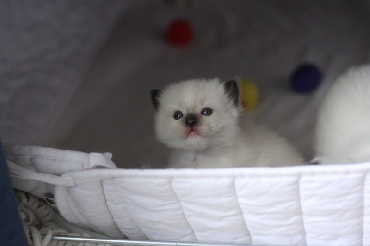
232,91
155,98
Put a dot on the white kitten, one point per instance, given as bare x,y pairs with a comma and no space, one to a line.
343,127
199,119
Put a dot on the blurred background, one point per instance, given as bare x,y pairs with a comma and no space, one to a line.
77,74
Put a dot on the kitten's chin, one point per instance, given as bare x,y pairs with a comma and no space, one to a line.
195,142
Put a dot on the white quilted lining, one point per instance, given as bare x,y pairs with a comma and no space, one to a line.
307,205
302,205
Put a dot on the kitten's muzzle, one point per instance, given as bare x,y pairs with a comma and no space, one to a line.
191,120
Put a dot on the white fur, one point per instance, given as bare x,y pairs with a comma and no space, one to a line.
343,127
221,142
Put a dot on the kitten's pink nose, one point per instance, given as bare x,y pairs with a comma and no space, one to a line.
191,120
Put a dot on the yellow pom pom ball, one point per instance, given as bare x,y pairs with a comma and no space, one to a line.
249,94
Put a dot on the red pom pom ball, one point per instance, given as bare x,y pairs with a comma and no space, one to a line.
180,32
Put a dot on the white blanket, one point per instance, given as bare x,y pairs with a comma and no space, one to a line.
305,205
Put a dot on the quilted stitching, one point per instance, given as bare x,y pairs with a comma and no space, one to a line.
332,205
295,206
120,214
185,216
154,207
246,226
89,201
366,209
270,208
211,209
300,205
321,205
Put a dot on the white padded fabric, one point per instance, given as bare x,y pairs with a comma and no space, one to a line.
303,205
34,168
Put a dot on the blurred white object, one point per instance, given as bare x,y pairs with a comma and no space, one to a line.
343,128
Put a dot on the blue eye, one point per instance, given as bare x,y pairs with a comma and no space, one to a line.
177,115
206,111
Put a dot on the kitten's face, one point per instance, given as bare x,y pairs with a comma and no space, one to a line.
196,114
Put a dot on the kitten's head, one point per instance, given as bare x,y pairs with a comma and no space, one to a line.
197,114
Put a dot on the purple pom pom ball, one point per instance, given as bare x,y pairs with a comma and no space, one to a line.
305,78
